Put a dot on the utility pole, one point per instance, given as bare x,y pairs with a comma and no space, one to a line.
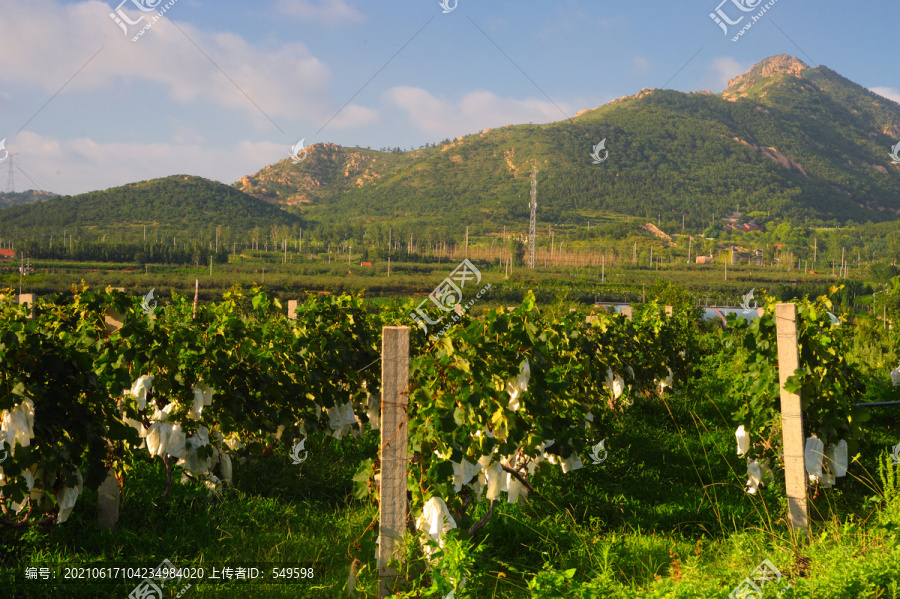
690,245
532,226
467,242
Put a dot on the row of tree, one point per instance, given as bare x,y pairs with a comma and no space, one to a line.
147,253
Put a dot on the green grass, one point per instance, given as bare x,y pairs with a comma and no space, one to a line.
275,514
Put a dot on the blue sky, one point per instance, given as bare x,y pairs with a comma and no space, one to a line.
222,88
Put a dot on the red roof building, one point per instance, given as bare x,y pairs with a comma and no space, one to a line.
746,227
8,254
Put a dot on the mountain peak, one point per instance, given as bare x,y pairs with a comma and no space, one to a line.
774,66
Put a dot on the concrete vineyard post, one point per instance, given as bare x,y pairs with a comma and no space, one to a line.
392,510
108,502
791,416
27,298
114,320
197,294
626,310
292,309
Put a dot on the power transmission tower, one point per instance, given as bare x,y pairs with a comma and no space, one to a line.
12,180
533,225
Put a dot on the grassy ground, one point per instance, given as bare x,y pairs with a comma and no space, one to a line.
664,516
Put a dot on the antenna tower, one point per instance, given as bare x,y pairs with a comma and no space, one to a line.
533,225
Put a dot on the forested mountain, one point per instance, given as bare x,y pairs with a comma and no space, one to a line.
179,203
784,139
24,197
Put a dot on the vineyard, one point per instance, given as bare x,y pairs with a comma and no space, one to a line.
551,453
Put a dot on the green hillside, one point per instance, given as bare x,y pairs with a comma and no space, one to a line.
181,203
785,139
24,197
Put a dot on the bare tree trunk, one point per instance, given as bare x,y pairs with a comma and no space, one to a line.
480,524
168,488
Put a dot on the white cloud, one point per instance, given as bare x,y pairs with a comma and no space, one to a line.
725,68
51,41
327,11
476,111
887,92
78,165
354,116
640,64
287,82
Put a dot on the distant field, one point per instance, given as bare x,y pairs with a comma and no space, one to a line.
302,276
